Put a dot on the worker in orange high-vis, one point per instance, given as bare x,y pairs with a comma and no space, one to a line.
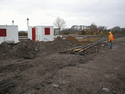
111,38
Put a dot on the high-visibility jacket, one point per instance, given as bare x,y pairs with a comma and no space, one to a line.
111,38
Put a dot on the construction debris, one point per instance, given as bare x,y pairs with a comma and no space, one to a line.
83,49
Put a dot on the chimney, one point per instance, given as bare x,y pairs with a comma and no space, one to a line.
27,22
12,22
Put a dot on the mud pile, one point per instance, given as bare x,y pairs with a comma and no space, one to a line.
26,49
72,38
59,44
29,49
5,51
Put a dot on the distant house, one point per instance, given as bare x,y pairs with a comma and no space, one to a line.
80,27
75,27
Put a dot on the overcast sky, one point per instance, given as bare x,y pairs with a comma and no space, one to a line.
108,13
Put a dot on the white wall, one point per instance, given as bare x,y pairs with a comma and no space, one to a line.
12,33
40,33
48,37
30,32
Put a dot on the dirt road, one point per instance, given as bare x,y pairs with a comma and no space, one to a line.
56,73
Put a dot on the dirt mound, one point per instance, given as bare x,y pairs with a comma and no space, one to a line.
4,48
29,49
72,38
57,45
61,44
26,49
5,51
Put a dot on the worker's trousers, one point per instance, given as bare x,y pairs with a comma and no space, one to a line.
110,44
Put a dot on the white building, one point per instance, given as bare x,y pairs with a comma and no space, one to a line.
9,33
41,33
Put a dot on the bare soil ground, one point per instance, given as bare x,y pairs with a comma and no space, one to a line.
88,40
41,69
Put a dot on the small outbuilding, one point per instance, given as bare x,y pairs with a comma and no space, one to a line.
41,33
9,33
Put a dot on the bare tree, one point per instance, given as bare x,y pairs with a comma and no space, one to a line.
93,28
102,28
60,23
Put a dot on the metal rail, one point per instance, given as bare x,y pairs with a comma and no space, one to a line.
82,50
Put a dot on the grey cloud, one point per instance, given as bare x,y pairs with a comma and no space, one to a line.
105,12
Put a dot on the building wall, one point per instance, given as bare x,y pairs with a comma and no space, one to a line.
11,33
40,33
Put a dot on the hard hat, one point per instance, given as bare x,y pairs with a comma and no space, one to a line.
109,32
